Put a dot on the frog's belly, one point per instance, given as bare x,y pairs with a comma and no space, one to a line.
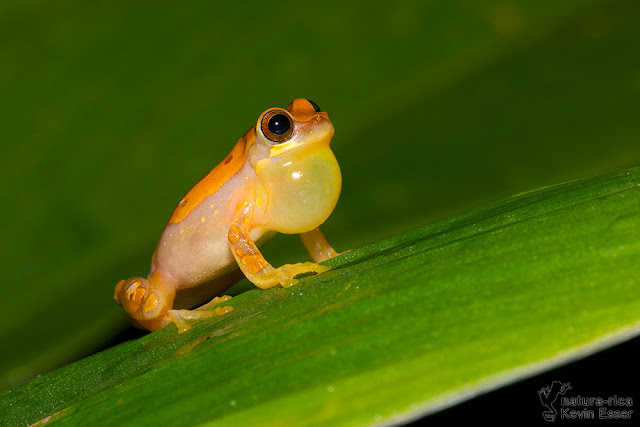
195,252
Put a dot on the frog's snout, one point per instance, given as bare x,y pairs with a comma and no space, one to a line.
139,298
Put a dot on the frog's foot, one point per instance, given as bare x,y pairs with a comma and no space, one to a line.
215,301
285,275
184,319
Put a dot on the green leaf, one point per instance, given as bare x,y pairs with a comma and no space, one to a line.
396,329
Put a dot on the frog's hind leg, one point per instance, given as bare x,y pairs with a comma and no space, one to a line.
184,315
146,299
183,319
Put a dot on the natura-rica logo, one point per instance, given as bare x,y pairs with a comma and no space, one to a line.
578,407
549,395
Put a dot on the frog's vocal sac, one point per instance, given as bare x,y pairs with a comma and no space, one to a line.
280,177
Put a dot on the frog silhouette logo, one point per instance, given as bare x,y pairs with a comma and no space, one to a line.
549,395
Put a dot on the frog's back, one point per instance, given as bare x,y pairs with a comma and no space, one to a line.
215,179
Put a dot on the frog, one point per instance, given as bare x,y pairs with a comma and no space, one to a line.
280,177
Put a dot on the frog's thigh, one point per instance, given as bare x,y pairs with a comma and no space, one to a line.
258,270
317,245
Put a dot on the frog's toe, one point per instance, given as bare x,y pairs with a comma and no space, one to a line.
309,267
131,294
215,301
286,273
184,319
288,282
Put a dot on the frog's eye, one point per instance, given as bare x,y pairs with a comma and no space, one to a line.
277,125
315,106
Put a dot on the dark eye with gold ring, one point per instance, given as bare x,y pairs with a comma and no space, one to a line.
277,125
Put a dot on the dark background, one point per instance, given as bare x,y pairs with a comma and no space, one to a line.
611,372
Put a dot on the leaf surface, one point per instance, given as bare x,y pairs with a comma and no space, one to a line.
395,330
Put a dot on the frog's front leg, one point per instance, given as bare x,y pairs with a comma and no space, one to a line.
252,263
317,245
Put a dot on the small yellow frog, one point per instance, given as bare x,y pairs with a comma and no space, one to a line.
281,176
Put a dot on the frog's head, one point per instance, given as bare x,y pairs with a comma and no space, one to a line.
301,126
145,300
292,158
